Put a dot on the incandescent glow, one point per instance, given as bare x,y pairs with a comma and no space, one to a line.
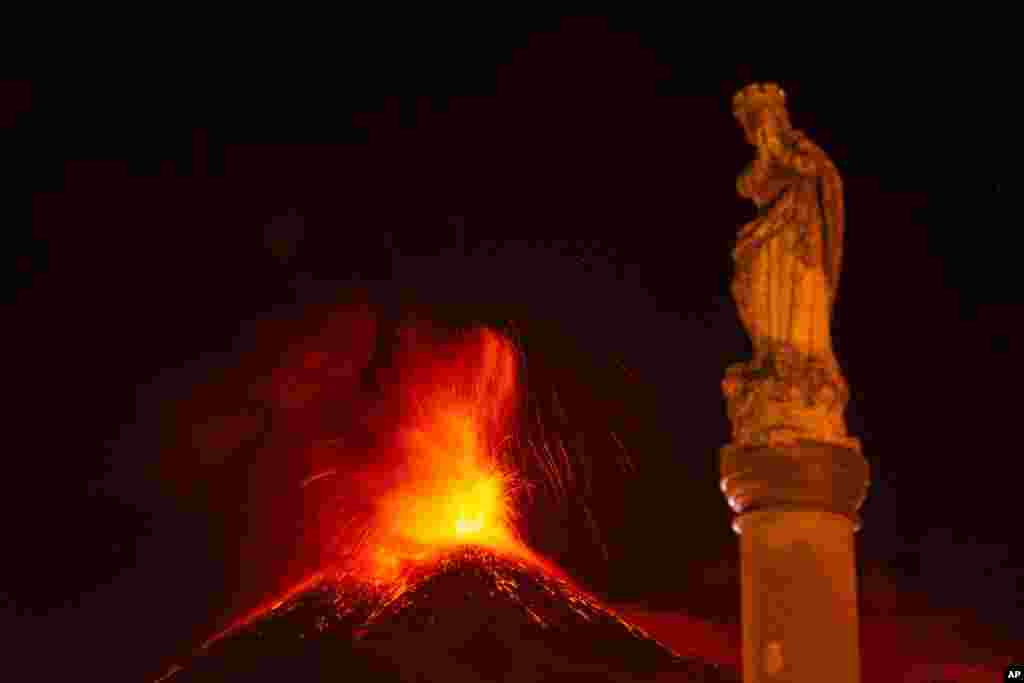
454,486
467,528
448,475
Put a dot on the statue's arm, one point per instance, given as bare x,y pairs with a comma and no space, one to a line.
771,146
762,181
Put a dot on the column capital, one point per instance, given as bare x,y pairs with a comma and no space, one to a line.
805,475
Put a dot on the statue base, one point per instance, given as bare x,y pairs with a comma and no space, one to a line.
784,396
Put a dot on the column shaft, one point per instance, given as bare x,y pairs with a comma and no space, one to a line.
799,597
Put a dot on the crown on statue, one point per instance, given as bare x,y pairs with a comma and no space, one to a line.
757,96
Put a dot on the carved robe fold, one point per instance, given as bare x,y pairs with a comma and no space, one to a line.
787,259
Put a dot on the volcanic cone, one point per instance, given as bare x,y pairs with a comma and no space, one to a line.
470,614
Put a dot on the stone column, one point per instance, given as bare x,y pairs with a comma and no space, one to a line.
792,474
796,508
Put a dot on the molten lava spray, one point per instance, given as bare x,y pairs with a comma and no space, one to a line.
445,469
454,484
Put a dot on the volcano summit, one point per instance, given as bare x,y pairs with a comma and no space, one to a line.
469,614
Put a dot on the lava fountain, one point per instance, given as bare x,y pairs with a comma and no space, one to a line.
455,483
446,476
435,583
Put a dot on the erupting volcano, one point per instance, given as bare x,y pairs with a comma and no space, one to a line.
468,614
436,584
456,484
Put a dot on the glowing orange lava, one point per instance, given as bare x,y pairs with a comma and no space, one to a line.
455,486
449,480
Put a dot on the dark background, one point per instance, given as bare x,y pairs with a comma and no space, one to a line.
572,180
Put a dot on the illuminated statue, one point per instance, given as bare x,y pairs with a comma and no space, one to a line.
791,473
787,272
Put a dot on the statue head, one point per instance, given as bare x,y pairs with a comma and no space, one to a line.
757,101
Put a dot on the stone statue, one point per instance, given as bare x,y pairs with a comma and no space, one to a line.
791,473
786,277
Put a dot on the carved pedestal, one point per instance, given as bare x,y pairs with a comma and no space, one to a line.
795,481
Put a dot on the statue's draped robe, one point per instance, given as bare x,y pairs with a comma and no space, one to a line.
787,259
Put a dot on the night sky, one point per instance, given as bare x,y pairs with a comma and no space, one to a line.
573,181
